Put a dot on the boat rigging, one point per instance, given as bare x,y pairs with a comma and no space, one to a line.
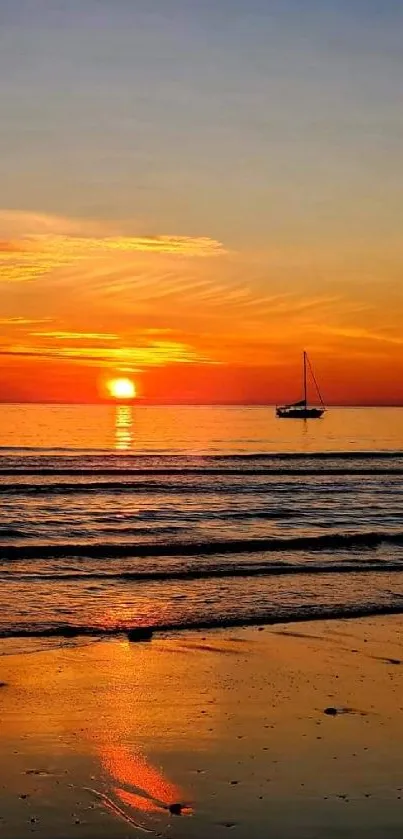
301,409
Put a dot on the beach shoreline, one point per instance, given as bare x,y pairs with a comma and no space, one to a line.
288,730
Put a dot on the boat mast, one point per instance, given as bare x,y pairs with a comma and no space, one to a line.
305,379
314,381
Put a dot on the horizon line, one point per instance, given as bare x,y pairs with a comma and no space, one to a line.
138,402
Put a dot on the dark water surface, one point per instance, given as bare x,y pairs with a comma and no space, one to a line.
114,517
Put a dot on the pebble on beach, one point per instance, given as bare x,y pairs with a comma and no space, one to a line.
140,633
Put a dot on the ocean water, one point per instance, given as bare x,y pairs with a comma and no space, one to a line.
114,517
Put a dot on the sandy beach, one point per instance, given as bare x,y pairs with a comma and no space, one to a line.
101,739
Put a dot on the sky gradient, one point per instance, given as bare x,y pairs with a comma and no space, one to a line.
192,193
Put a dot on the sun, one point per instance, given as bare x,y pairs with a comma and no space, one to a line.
122,388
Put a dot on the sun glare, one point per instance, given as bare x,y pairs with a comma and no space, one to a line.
122,388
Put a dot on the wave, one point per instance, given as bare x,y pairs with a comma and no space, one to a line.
207,573
268,618
328,542
157,487
122,488
12,533
196,471
237,456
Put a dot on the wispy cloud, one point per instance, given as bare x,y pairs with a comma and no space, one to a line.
154,354
13,246
73,336
21,321
360,334
39,245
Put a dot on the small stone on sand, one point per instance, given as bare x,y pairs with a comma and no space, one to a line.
140,633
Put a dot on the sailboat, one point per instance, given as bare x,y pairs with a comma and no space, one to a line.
301,410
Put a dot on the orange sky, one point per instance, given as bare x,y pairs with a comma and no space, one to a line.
194,193
191,319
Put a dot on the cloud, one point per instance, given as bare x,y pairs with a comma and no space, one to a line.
18,223
361,334
82,336
14,246
37,245
21,321
152,354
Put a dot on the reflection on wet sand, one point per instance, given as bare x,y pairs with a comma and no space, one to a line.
291,734
133,787
123,427
141,785
86,750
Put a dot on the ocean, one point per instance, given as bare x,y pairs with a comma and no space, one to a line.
175,517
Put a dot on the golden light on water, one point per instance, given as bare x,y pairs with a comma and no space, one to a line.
122,388
123,427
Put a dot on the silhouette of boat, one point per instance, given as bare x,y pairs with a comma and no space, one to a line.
301,409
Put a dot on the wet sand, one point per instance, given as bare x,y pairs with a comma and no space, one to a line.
99,739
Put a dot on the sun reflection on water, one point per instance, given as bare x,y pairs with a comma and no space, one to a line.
123,427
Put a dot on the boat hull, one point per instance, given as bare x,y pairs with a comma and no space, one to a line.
299,413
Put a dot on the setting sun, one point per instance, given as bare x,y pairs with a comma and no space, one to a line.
122,388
